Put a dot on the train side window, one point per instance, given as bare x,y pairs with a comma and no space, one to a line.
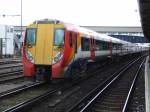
99,45
85,44
30,36
114,46
70,39
105,45
119,46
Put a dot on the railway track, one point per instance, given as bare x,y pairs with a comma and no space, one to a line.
25,104
10,72
52,92
14,76
9,61
4,66
62,102
64,88
20,89
19,94
8,68
113,94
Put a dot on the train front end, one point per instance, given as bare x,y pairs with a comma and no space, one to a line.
43,50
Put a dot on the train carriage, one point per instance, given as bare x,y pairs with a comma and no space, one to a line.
52,49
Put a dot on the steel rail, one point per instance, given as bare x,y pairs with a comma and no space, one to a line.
90,102
32,101
10,62
19,107
131,88
12,65
103,86
12,78
20,89
25,105
10,73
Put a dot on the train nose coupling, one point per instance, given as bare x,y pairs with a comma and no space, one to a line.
40,74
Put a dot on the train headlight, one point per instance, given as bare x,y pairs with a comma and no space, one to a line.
57,57
29,57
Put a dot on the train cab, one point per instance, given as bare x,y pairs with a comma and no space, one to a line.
43,47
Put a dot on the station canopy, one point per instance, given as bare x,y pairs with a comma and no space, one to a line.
144,6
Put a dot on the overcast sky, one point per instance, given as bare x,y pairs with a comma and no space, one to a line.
80,12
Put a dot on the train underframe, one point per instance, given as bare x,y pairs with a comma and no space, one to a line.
76,69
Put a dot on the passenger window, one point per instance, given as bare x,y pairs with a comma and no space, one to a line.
105,45
85,44
98,45
59,37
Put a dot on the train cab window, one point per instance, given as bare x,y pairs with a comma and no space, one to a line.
59,37
31,36
85,44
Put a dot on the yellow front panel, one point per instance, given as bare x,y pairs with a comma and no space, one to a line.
48,44
44,42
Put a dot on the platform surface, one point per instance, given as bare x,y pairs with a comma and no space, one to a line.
147,84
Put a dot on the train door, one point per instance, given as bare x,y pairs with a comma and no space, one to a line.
92,48
73,43
70,47
76,44
44,41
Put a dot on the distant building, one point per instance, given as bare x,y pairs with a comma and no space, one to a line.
117,30
131,34
17,29
6,40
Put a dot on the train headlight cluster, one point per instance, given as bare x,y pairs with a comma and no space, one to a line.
57,57
29,57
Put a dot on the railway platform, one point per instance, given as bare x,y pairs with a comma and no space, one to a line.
147,84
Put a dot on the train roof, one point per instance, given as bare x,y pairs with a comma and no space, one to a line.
85,32
89,33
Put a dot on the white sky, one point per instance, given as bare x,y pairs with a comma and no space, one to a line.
80,12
